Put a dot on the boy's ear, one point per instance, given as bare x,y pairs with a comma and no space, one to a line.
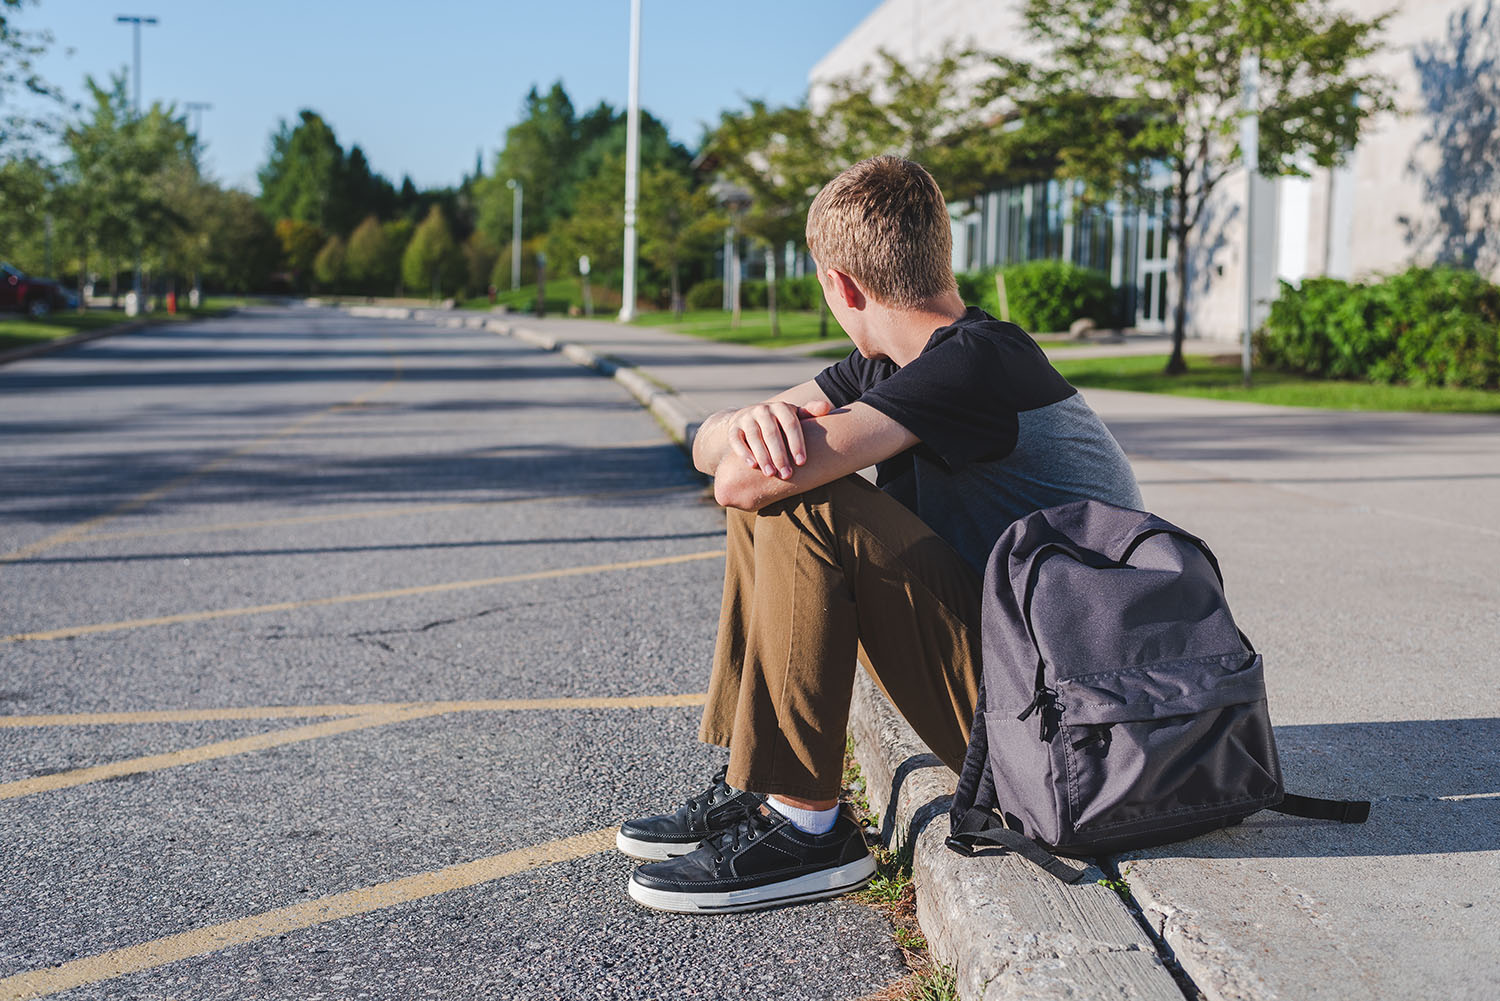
846,288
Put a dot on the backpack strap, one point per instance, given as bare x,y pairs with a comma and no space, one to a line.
976,782
1345,811
980,827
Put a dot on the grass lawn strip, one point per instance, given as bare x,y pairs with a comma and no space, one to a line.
1219,379
20,330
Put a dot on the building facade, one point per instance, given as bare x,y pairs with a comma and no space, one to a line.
1423,184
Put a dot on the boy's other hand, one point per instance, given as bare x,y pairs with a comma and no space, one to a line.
768,436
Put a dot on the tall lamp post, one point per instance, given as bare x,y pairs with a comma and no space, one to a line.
515,234
135,21
736,201
196,109
1250,153
632,162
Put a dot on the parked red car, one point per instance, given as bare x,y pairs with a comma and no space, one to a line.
35,296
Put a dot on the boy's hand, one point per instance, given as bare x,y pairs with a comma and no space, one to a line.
768,436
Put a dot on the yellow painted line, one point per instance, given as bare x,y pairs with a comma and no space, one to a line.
208,752
202,941
68,632
76,532
345,709
385,512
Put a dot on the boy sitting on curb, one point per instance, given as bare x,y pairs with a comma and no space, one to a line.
969,428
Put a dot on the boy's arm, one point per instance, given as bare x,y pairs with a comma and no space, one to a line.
842,442
766,435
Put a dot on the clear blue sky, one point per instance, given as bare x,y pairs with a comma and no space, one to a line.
423,86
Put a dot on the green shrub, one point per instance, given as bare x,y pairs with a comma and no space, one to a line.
707,294
799,293
752,294
1044,296
1424,327
972,286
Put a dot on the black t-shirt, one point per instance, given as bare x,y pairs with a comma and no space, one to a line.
1001,432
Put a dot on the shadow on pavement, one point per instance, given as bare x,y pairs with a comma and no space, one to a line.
1434,787
1318,434
48,491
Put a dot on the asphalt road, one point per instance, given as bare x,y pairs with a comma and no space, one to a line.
330,650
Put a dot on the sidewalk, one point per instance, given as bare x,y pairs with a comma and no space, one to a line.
1360,552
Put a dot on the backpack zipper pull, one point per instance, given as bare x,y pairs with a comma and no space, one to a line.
1043,696
1097,734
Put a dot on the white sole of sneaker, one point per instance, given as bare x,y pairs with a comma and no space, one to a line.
652,851
813,886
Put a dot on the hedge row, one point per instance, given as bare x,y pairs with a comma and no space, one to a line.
1424,327
1044,296
791,293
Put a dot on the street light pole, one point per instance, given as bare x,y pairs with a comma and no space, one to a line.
515,234
632,162
135,21
1250,153
736,201
196,109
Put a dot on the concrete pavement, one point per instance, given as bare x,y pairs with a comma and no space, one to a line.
1360,552
330,651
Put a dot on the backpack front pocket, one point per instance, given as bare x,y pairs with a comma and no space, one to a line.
1153,751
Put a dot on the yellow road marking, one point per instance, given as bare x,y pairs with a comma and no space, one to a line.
75,532
385,512
207,752
348,709
68,632
202,941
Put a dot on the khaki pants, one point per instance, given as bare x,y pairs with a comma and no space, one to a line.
807,581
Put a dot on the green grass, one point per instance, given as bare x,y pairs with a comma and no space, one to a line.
755,327
563,294
935,984
1219,379
18,330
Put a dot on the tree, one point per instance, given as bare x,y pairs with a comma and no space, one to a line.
367,257
242,248
539,150
398,234
328,266
121,176
940,113
596,227
300,179
1128,89
19,49
781,158
300,243
431,258
480,255
27,193
676,223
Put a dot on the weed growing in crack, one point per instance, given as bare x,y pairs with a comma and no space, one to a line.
893,893
1120,885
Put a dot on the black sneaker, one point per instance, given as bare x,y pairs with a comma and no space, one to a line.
762,861
673,834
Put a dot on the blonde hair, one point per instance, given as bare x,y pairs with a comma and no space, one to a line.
884,223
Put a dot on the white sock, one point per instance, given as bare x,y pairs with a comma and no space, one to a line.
811,821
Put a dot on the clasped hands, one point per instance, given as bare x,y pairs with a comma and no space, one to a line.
768,436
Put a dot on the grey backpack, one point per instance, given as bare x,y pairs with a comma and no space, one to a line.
1120,706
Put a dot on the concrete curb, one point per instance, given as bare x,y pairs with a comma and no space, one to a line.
63,343
1009,931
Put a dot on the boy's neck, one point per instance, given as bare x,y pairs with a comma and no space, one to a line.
903,333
